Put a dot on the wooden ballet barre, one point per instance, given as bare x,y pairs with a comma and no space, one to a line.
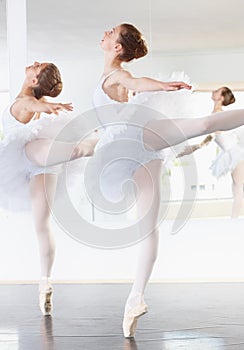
208,87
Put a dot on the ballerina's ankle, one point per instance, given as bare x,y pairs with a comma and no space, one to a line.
45,284
134,300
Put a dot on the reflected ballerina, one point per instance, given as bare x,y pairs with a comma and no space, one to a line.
231,157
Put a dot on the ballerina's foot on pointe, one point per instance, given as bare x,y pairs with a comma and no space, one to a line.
135,308
45,296
84,148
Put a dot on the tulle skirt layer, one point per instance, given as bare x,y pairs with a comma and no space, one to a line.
16,170
226,161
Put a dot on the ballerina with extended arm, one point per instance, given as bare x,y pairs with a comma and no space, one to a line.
123,44
22,184
231,159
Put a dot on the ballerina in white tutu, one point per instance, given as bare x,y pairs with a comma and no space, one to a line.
123,44
22,182
231,157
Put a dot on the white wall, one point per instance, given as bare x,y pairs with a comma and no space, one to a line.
4,81
201,67
204,250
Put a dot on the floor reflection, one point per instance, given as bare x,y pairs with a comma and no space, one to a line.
9,339
189,317
130,344
185,340
47,333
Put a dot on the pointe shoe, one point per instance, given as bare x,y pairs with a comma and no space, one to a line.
45,303
131,318
45,298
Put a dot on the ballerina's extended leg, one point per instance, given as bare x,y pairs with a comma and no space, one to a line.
159,134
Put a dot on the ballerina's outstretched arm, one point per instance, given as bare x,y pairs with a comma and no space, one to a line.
38,150
125,78
24,108
159,134
192,148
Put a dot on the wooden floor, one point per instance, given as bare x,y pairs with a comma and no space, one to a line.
180,317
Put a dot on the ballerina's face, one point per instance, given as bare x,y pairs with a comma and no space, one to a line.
35,69
110,39
217,95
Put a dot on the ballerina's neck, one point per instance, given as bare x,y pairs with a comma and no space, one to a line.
217,109
111,65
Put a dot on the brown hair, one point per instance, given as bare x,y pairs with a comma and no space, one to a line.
228,96
49,82
133,44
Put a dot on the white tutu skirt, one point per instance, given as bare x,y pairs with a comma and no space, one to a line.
226,161
15,168
120,150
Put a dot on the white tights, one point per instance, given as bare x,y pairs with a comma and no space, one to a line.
237,189
163,133
158,134
42,195
147,180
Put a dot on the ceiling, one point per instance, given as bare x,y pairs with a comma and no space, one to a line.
73,29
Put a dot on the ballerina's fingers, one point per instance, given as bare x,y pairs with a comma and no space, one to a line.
67,106
57,107
177,85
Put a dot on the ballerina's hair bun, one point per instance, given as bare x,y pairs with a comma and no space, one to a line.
49,82
142,49
228,95
133,44
56,89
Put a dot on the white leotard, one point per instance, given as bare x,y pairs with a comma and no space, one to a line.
230,155
122,141
226,140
